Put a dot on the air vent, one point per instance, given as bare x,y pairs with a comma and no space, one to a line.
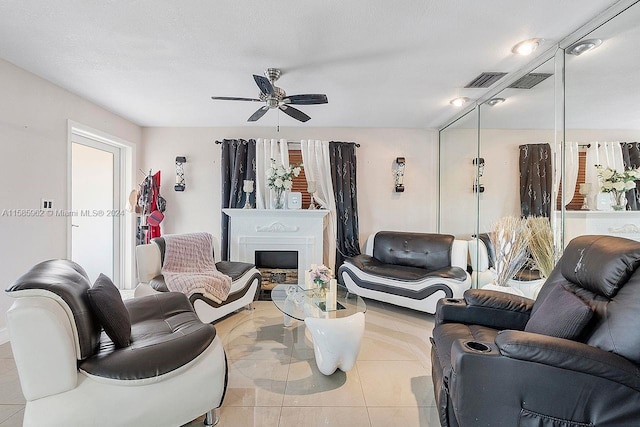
485,80
530,80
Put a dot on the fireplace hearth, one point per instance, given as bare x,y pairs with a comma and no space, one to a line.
277,267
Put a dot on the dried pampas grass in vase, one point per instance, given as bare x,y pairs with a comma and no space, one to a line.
510,240
541,244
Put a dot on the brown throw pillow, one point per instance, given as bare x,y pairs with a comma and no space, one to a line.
110,310
562,315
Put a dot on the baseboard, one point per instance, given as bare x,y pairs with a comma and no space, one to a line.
4,335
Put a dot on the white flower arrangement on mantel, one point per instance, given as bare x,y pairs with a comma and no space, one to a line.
617,183
280,179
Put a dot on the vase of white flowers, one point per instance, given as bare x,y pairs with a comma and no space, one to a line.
280,179
617,183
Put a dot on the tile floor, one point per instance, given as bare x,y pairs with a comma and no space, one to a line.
273,379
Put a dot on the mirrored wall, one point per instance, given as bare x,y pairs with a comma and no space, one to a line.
508,156
602,126
458,174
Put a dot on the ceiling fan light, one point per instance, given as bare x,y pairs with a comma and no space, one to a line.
495,101
459,102
527,47
582,46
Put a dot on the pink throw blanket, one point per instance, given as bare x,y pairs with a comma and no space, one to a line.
189,267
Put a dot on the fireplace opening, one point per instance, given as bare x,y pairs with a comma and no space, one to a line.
276,267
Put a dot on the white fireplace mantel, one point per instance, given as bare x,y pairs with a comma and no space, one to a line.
622,224
299,230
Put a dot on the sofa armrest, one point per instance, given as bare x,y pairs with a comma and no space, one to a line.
487,308
489,388
498,300
459,253
44,347
567,354
148,262
478,255
368,246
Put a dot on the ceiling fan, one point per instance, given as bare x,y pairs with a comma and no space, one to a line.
275,97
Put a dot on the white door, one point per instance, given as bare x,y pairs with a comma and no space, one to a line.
95,206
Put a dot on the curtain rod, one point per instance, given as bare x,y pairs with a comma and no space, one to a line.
298,142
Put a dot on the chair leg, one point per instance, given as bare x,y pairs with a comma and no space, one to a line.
250,306
212,417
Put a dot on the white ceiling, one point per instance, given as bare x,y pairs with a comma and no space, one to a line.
381,63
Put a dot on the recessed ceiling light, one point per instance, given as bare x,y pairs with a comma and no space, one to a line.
460,101
582,46
527,47
495,101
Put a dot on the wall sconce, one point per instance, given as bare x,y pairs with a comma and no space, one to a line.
180,184
398,174
477,187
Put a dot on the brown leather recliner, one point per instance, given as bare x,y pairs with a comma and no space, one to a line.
571,358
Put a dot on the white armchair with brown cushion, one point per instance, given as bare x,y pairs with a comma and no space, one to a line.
165,367
412,270
245,281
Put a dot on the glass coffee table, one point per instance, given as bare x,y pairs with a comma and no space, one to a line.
336,334
298,303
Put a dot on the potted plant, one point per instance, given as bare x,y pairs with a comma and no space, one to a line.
510,240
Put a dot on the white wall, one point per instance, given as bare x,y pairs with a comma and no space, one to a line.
379,207
602,135
33,149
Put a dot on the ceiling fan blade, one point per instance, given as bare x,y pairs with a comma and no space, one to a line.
232,98
264,84
259,113
307,99
295,113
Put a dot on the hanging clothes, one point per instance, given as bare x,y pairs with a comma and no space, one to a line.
154,230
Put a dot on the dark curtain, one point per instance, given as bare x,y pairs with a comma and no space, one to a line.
536,180
631,159
238,163
342,156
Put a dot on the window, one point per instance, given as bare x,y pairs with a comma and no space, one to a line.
299,182
578,199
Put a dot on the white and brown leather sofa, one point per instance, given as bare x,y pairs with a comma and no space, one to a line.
72,373
412,270
245,285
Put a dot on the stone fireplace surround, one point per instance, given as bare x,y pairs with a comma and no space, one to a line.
299,230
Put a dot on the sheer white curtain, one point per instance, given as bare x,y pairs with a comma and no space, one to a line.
317,167
610,154
267,149
570,170
591,175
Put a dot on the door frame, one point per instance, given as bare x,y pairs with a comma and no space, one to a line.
127,276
